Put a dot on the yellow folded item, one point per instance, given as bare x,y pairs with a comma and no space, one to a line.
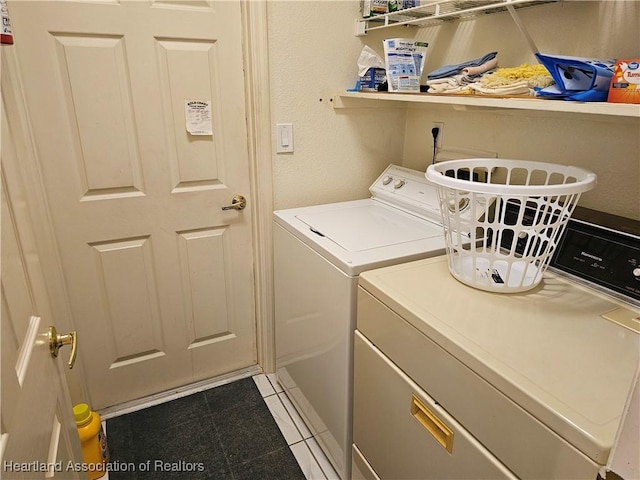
518,88
535,75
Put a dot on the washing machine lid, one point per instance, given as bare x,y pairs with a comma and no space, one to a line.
363,227
399,223
362,234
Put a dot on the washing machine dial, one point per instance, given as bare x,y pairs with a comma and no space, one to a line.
387,180
636,272
399,184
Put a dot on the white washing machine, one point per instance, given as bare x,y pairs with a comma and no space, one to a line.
319,252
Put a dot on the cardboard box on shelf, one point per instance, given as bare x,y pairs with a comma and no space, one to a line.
625,83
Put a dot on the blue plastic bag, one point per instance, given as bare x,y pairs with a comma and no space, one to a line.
577,78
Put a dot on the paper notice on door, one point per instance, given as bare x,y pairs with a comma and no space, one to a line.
198,117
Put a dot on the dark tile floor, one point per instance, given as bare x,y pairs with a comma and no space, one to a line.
223,433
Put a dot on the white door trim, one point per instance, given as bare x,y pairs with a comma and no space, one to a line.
254,17
256,51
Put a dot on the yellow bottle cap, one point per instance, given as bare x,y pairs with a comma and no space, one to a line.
82,412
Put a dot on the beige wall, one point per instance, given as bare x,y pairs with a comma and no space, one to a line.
313,52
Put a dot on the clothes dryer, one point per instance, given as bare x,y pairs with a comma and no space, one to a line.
319,252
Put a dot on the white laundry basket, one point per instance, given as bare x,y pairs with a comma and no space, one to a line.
500,249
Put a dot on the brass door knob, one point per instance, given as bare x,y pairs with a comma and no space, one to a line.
238,203
57,340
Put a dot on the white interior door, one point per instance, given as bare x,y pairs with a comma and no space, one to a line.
36,421
159,277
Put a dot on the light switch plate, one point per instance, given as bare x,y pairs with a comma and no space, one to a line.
284,140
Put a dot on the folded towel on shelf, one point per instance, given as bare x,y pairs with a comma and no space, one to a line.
513,80
480,69
536,75
517,88
447,80
448,88
458,83
455,69
503,81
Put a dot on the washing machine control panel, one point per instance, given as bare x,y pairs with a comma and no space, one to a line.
407,190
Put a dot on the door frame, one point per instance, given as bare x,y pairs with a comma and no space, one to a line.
258,108
258,118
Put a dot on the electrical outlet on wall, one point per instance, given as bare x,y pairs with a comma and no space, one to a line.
440,127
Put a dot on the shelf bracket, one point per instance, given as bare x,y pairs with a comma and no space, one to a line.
361,28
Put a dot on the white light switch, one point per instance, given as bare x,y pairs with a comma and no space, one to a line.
284,142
